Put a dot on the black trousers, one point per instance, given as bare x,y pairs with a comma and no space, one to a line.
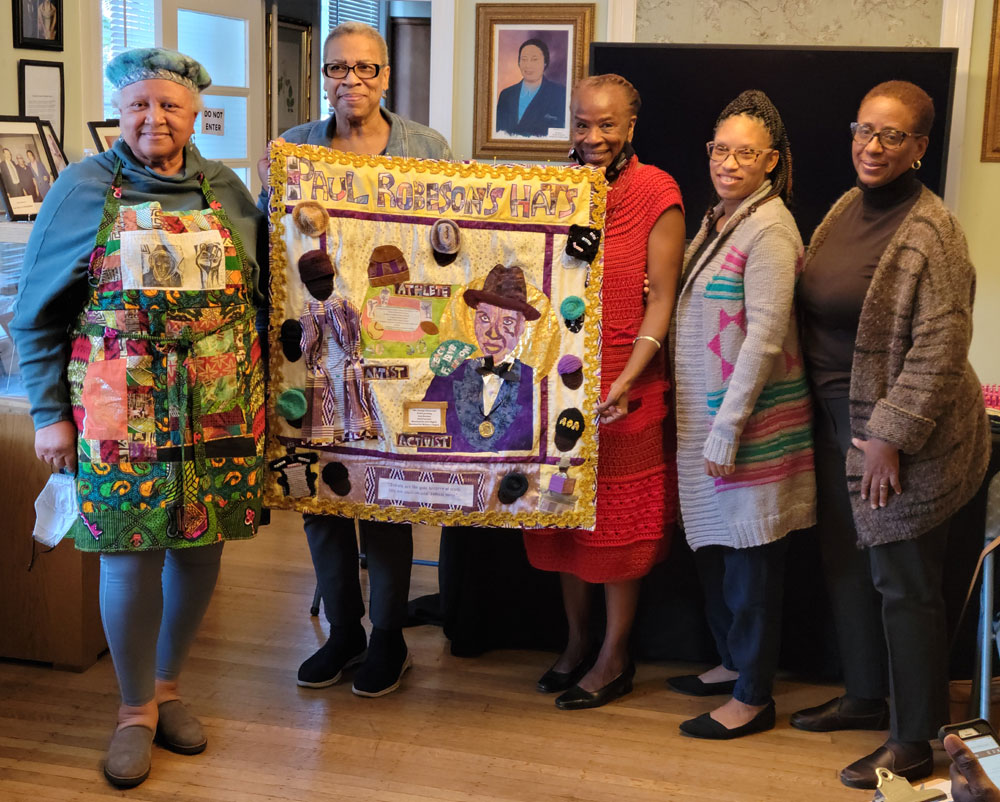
743,596
887,600
334,550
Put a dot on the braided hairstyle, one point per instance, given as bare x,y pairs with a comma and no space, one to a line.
611,79
754,103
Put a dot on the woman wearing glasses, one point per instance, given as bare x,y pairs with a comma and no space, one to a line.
744,441
355,77
901,433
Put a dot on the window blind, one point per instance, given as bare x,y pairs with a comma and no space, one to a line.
125,24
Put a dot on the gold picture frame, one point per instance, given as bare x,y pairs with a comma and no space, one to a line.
553,34
991,120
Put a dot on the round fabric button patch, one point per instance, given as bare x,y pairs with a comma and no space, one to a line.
310,218
291,404
512,487
337,478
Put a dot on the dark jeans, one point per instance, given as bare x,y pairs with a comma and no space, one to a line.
888,607
743,595
334,550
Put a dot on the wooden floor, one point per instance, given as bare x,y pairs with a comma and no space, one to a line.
462,730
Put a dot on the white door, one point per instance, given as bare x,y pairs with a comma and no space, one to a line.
227,37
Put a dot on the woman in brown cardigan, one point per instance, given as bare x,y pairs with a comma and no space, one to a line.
901,430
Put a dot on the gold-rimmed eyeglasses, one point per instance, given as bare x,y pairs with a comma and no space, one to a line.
745,157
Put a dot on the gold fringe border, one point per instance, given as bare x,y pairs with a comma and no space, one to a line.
584,516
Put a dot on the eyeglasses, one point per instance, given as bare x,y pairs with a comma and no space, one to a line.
888,138
744,156
362,69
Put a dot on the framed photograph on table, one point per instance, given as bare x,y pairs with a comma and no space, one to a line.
26,171
38,24
59,160
104,132
289,65
528,56
40,92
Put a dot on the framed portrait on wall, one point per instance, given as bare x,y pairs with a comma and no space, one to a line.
26,171
289,96
104,132
38,24
991,119
528,56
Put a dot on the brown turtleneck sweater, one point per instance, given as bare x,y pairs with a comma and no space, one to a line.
832,291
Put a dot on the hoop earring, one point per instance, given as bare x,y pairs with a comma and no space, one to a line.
916,165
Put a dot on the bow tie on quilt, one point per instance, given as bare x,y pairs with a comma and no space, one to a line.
503,370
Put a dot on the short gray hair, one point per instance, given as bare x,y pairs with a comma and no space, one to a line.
196,99
353,28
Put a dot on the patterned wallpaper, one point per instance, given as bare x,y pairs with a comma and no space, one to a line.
855,23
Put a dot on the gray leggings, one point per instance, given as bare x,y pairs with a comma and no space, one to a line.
152,603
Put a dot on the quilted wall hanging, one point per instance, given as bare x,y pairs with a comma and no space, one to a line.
434,339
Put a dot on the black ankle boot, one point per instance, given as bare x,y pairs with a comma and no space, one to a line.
383,668
343,649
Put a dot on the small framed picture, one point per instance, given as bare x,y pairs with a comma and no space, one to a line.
104,132
528,56
26,171
38,24
59,160
40,92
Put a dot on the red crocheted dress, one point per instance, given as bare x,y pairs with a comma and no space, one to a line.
636,467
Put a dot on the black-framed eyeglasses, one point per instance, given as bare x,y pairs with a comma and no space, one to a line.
362,69
889,138
744,156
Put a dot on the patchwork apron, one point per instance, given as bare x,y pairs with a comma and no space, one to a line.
166,382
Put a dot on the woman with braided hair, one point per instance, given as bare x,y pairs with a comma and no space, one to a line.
744,442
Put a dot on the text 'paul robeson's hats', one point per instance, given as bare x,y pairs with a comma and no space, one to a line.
504,287
387,266
150,63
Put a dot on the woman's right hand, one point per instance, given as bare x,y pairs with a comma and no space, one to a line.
55,445
264,162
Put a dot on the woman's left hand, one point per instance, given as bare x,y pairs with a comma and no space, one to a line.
615,406
881,470
717,469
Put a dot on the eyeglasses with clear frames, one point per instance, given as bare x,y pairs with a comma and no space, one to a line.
338,70
889,138
744,156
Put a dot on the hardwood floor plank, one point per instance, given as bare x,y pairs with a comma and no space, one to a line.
460,730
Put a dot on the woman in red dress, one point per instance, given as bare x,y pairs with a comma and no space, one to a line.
636,471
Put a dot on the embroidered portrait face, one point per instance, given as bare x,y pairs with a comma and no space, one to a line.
497,330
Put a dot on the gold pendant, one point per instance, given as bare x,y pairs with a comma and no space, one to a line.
486,429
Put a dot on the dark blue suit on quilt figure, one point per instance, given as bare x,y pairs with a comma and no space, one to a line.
511,417
546,110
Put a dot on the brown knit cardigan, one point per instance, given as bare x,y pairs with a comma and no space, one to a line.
911,381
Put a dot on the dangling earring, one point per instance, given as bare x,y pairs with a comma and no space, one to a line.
916,165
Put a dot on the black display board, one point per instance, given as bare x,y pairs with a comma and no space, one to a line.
816,89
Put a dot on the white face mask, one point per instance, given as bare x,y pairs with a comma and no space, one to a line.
56,509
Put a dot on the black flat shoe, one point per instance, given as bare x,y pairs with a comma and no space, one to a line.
692,686
576,698
832,716
556,681
910,760
704,726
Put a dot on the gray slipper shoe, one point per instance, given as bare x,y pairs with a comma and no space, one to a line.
129,755
178,730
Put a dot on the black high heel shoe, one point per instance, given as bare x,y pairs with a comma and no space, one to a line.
576,698
556,681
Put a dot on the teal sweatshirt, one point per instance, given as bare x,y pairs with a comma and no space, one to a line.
53,288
